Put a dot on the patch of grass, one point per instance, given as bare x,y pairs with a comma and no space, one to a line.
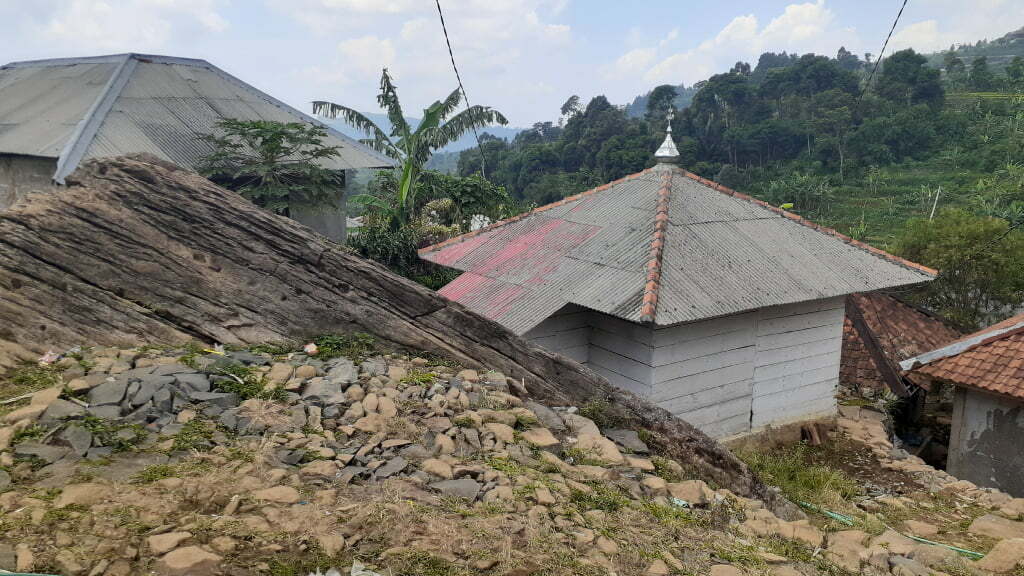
274,348
508,466
525,421
25,379
356,346
56,515
600,411
463,422
121,437
601,497
127,517
673,515
247,383
790,469
664,468
578,456
33,432
423,563
153,473
193,350
419,377
194,435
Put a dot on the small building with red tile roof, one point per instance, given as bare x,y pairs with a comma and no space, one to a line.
987,369
880,331
723,309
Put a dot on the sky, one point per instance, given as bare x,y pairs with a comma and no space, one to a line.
522,57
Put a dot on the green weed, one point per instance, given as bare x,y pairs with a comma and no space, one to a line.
356,346
122,437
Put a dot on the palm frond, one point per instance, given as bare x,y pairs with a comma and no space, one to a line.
471,118
388,100
451,103
378,140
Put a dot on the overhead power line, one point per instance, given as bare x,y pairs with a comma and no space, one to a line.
479,146
882,53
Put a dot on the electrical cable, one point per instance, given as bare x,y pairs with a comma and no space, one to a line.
451,54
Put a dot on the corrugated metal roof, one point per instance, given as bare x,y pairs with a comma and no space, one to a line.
723,253
79,108
40,107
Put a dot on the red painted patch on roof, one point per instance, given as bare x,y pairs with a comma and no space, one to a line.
465,284
454,252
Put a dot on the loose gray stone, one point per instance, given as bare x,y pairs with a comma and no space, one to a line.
229,419
222,399
374,366
343,372
249,358
416,452
194,381
78,437
99,452
148,387
108,393
105,412
5,483
547,417
463,488
162,400
291,457
60,410
172,369
391,467
46,453
322,391
628,439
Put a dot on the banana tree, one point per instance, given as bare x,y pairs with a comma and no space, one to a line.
411,147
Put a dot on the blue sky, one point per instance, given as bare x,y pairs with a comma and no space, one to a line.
524,57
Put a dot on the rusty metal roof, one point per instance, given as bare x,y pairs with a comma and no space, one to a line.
900,329
718,253
991,360
78,108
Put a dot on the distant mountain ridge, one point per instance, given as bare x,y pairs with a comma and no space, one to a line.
999,52
467,140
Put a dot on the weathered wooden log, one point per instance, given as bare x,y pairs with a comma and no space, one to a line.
136,250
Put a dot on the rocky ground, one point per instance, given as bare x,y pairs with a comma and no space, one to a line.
277,461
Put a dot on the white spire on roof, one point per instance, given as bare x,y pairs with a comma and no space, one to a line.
667,152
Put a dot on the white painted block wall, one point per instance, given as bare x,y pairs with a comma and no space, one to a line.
727,376
566,332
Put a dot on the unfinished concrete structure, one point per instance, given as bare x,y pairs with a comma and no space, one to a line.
724,310
987,369
56,113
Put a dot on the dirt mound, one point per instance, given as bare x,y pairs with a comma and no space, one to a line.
136,250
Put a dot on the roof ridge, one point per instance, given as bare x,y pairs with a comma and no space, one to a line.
984,337
878,252
649,304
85,131
539,209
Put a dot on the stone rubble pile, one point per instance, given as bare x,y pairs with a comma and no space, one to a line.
314,429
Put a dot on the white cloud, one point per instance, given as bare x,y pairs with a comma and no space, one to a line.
800,28
369,54
95,26
491,40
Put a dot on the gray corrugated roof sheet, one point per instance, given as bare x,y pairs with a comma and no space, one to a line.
79,108
723,253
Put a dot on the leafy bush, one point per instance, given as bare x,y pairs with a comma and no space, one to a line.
356,346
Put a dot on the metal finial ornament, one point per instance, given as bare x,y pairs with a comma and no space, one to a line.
667,152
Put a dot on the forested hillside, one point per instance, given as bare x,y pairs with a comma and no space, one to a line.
810,131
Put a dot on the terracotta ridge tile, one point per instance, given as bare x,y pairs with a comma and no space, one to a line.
805,222
649,303
537,210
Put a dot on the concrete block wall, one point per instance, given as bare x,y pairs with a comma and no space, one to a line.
566,332
796,370
23,175
984,440
727,376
